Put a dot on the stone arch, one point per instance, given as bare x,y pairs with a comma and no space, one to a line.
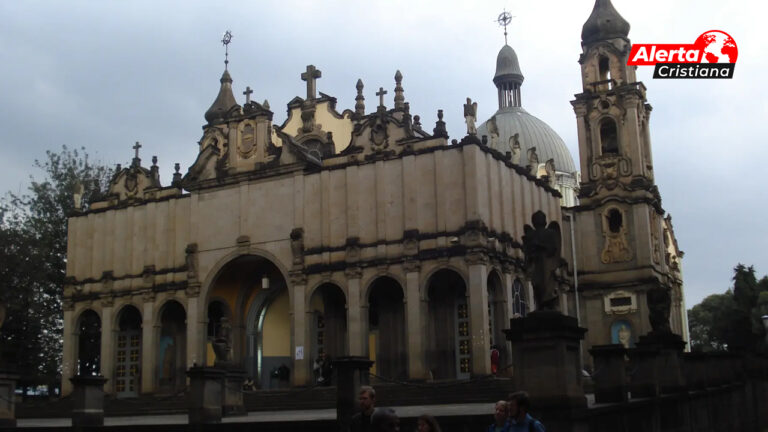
327,324
324,281
428,275
520,303
370,281
128,347
497,309
385,297
159,305
448,329
608,130
120,307
88,349
171,347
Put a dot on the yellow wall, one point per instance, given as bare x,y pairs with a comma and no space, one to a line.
277,328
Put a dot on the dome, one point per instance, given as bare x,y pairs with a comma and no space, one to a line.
604,23
507,66
532,133
224,101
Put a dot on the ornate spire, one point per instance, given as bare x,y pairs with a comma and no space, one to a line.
439,131
604,23
359,99
399,97
225,99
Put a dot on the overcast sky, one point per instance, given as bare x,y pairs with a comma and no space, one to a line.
104,74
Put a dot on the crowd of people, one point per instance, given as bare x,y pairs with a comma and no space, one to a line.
509,415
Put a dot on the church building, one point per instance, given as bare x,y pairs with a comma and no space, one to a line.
368,232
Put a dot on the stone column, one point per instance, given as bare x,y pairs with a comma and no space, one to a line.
507,282
355,326
415,321
205,395
69,351
659,367
351,374
87,401
299,326
148,354
8,379
233,393
545,357
107,344
478,313
196,329
610,375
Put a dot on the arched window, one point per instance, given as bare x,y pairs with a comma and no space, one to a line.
609,137
519,305
615,220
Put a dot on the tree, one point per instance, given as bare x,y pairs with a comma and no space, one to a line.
33,246
732,320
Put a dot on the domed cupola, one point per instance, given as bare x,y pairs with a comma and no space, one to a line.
224,102
513,129
508,77
604,23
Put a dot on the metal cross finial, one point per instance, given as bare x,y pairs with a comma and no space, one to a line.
381,94
247,94
504,19
226,41
311,76
137,147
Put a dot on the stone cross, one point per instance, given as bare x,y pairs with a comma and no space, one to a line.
381,94
137,147
247,94
311,76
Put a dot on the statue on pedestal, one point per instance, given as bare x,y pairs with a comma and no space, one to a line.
222,344
542,244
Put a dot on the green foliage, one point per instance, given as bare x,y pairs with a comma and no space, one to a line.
33,246
732,320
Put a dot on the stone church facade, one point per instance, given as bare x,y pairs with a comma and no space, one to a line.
365,232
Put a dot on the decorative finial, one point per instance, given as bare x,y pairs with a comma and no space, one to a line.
359,99
439,130
504,19
154,161
265,104
399,98
311,76
176,175
417,121
381,94
177,167
226,41
247,94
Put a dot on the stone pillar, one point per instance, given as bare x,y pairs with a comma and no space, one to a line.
415,321
233,393
644,381
508,280
355,326
148,354
545,357
299,327
69,347
351,374
478,314
205,395
610,374
8,379
197,332
107,344
669,348
87,401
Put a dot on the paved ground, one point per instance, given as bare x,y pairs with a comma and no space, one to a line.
270,416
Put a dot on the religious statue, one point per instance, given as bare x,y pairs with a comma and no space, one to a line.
624,335
541,245
493,131
549,167
78,195
191,260
470,115
222,344
533,161
514,146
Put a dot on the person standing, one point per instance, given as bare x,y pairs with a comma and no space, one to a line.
500,418
495,357
520,421
427,423
385,420
361,422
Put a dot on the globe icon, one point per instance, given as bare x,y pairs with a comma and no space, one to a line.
717,47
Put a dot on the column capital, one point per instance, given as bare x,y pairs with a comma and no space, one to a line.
412,266
476,256
354,272
193,289
297,277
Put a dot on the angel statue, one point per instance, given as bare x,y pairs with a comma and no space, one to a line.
514,146
533,161
541,245
470,115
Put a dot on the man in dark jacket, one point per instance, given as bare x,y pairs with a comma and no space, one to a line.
361,422
519,419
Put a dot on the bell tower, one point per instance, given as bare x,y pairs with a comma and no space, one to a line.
624,279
